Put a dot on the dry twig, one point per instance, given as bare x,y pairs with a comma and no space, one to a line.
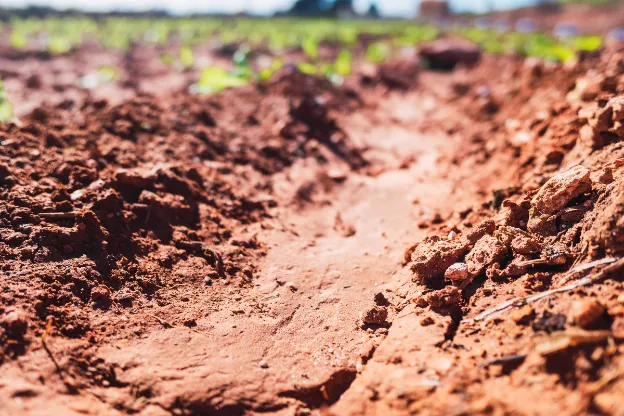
614,264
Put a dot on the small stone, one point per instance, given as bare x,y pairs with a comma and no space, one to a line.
483,228
376,315
263,364
606,176
291,286
587,313
433,256
458,274
617,104
542,224
608,403
617,328
561,189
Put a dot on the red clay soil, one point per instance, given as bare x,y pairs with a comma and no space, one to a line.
300,248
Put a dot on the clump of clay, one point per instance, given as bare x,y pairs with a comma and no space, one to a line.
487,251
376,315
433,256
444,298
561,189
518,240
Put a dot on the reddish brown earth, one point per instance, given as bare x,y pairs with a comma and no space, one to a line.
300,248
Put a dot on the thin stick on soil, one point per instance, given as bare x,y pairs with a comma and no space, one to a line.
64,377
489,314
58,215
162,321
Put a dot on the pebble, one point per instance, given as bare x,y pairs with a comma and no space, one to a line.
587,313
458,274
263,364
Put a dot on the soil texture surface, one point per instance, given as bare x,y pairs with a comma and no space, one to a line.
411,242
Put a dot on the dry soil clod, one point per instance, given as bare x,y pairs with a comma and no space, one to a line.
558,191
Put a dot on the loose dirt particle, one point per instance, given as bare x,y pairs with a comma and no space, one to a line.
426,321
433,256
15,322
550,322
519,241
376,315
587,313
448,297
486,251
380,299
483,228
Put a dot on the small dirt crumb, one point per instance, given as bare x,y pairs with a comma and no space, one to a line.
519,241
291,286
381,300
605,176
561,189
524,315
550,322
488,250
542,224
447,297
101,294
15,322
483,228
376,315
587,313
426,321
617,328
608,402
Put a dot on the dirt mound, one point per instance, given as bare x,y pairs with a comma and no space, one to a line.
103,207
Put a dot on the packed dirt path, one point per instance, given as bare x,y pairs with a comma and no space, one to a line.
294,340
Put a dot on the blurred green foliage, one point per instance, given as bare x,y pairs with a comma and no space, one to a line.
176,39
6,108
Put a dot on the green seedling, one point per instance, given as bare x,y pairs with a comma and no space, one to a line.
343,63
18,40
378,52
186,57
214,79
6,108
